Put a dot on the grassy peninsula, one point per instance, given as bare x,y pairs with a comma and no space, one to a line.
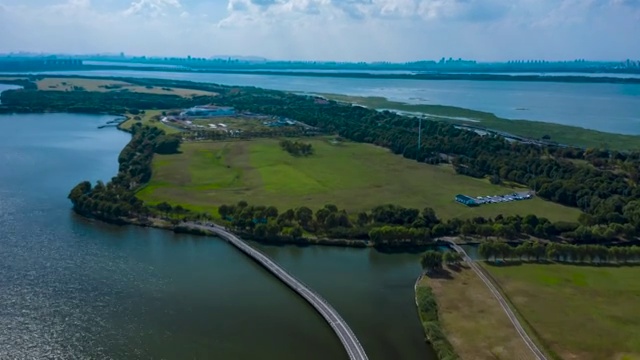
563,134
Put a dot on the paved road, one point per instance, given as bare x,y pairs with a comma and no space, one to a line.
339,326
503,303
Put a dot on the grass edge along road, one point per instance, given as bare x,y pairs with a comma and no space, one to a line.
538,354
208,174
467,308
577,311
564,134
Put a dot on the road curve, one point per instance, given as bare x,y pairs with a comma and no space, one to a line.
339,326
503,303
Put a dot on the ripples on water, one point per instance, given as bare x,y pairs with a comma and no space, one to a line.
52,291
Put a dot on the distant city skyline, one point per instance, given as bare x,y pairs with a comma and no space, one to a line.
328,30
255,58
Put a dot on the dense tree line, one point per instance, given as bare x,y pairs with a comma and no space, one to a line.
296,148
24,83
396,226
290,131
116,199
538,251
428,310
604,186
90,102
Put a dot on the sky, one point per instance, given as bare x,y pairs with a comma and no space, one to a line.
340,30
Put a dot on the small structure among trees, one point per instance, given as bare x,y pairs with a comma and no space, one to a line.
296,148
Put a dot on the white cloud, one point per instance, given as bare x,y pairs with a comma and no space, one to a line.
152,8
395,30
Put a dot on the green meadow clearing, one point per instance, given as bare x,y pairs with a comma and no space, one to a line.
578,312
353,176
148,119
101,85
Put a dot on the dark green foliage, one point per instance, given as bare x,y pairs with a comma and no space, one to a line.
431,260
92,102
452,258
26,84
296,148
428,309
116,199
537,251
167,144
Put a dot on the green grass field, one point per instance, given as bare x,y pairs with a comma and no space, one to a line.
101,85
579,312
350,175
148,119
532,129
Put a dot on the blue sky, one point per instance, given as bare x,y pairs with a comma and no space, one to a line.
346,30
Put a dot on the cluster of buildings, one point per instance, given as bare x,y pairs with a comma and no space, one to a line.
208,111
279,123
471,201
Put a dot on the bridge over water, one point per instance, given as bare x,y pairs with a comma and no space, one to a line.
339,326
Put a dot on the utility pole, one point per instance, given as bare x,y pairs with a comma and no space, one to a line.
419,136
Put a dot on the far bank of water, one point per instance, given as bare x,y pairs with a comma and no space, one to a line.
605,107
75,288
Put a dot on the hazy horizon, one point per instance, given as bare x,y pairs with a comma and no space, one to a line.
327,30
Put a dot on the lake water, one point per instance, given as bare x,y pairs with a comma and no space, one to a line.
605,107
75,288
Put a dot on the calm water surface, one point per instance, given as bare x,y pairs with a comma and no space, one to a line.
73,288
604,107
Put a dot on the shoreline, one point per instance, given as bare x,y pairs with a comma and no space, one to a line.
522,130
418,76
527,131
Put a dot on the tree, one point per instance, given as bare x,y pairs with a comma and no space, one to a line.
296,232
431,260
271,212
165,208
167,144
363,219
304,215
452,258
225,211
429,216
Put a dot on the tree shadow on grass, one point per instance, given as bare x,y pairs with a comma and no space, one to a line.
440,274
457,267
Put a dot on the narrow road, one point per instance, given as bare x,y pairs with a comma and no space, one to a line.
339,326
503,303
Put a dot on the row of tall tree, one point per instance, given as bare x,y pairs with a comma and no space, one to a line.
538,251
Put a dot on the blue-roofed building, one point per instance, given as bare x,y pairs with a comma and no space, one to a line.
209,111
466,200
